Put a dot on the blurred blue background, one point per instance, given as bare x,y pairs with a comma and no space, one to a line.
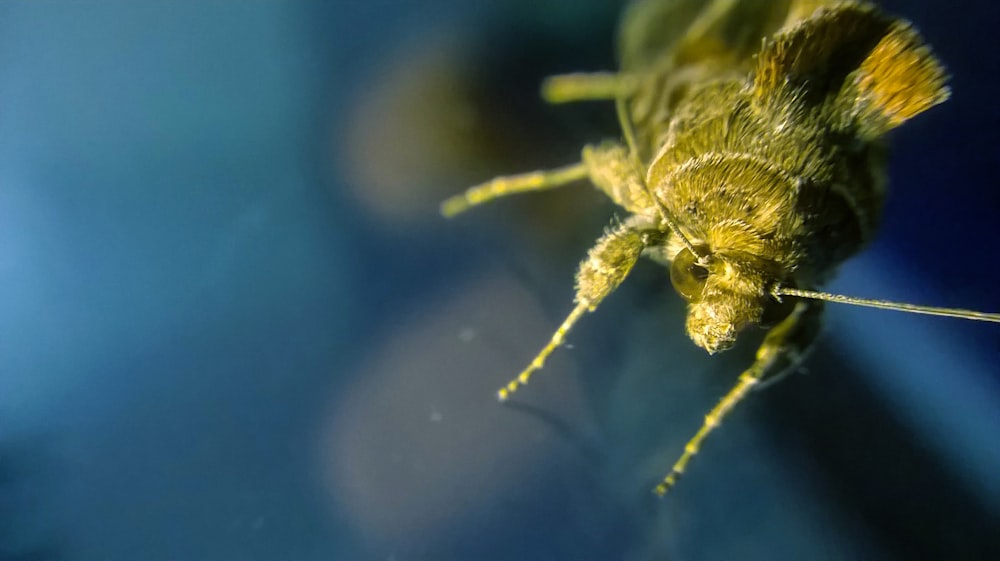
233,326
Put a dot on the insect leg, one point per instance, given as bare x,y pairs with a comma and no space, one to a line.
612,171
783,348
607,165
606,266
510,184
565,88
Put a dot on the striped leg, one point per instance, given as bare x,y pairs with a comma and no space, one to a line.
510,184
783,349
606,266
566,88
607,165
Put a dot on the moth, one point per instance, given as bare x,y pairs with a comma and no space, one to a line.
752,164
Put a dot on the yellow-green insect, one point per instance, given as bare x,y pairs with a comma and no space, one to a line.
752,166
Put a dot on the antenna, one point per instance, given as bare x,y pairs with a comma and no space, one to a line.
629,133
779,291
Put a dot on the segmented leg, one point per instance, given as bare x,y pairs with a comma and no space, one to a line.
606,165
783,349
566,88
606,266
613,172
510,184
539,361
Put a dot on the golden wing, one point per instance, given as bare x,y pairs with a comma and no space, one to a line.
672,32
668,47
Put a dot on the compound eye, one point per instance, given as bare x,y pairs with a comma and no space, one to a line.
687,276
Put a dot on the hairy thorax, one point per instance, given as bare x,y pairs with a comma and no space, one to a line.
770,195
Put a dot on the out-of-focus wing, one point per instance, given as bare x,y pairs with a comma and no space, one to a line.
669,47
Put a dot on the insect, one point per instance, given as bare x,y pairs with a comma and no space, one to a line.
752,165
